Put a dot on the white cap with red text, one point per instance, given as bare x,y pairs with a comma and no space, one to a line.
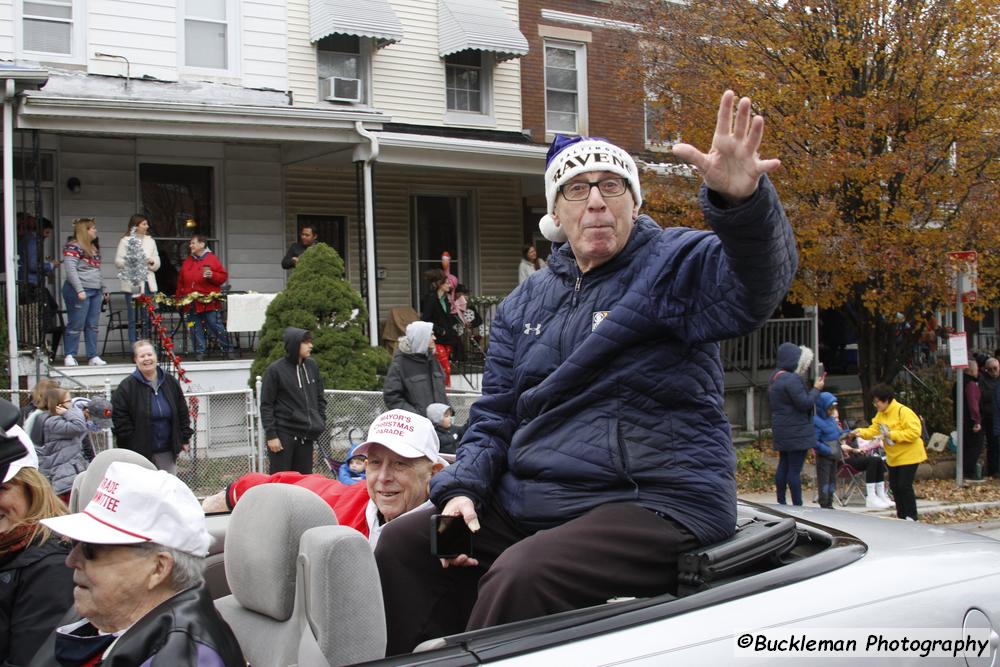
408,434
133,504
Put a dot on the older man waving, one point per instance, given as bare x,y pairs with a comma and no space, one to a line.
600,450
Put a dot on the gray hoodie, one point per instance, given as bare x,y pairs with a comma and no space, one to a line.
291,395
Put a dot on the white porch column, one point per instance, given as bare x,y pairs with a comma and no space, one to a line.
369,229
8,230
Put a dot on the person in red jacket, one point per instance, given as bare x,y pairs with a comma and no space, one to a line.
202,274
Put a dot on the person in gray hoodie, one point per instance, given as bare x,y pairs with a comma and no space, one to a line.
292,405
415,379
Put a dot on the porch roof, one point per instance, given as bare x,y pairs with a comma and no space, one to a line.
76,102
424,150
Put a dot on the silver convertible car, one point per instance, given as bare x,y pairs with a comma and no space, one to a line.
799,573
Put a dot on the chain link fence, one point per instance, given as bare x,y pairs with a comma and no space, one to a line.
228,439
224,443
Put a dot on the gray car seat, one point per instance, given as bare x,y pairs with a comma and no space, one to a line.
261,556
342,598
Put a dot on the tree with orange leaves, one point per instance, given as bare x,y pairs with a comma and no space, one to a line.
885,117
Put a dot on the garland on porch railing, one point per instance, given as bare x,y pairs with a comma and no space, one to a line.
166,342
187,299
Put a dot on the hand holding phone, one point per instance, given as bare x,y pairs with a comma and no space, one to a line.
450,536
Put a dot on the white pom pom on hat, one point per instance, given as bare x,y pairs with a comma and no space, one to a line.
571,156
551,230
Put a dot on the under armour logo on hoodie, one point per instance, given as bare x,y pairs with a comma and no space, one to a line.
528,329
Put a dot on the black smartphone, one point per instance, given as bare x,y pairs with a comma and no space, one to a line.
450,536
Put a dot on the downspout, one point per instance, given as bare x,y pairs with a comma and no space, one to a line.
8,231
369,232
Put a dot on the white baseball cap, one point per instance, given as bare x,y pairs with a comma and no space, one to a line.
30,458
408,434
133,504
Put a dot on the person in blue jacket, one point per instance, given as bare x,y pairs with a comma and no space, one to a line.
352,470
791,417
826,422
600,450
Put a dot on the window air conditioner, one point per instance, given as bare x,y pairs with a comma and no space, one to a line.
338,89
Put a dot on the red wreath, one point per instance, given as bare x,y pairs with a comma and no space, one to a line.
166,342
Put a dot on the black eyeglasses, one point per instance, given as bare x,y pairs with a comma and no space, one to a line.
580,190
90,551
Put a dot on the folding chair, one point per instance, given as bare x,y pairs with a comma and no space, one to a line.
850,480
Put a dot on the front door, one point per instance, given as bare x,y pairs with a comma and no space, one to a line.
441,224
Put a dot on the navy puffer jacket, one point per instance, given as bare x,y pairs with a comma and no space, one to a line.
607,386
791,402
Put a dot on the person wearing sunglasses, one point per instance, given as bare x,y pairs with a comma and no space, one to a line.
138,559
601,435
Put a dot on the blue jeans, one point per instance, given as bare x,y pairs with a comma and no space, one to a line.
83,317
210,320
789,473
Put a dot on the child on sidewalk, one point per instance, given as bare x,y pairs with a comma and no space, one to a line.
828,456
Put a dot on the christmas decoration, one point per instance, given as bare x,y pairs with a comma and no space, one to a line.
136,265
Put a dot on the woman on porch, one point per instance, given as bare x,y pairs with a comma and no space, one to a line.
140,224
202,276
83,291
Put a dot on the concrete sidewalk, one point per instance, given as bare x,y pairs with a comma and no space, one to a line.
856,505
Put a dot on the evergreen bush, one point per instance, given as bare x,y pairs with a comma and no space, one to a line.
319,298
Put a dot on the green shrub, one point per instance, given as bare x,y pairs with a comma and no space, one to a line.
319,298
752,471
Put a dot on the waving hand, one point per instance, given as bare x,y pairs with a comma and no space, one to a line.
732,166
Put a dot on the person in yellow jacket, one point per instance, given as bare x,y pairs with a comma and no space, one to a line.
900,429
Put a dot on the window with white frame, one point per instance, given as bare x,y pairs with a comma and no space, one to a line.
47,27
466,81
565,87
207,34
342,66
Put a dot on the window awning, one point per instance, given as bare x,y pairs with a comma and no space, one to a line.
479,25
371,18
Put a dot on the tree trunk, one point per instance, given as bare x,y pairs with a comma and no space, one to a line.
884,347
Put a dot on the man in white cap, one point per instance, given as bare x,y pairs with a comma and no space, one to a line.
600,450
137,560
402,455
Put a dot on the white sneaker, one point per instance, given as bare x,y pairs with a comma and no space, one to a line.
70,361
97,361
874,502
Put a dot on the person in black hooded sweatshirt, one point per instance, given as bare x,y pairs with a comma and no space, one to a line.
292,405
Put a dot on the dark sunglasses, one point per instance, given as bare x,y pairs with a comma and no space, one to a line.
91,551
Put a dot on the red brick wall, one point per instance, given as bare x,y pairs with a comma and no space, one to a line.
614,109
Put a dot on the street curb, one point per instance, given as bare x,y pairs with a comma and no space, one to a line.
986,504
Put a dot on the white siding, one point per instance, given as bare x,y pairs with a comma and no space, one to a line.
302,77
253,215
409,76
144,32
264,44
7,29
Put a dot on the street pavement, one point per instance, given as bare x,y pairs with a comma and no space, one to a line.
989,528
